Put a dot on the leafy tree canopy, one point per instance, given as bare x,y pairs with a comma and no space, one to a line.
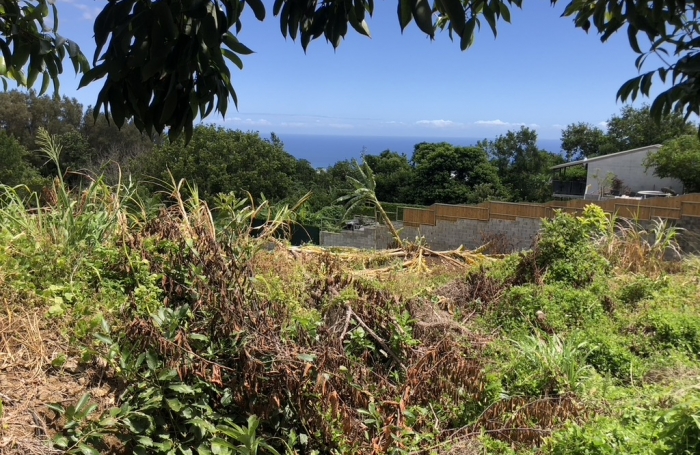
15,168
635,127
217,160
583,140
522,165
631,128
454,175
393,174
680,159
163,63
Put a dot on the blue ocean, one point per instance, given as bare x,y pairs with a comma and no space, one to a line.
324,151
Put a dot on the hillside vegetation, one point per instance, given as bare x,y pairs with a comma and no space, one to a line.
174,328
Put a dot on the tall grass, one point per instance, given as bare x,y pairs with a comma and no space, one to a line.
551,364
83,216
631,247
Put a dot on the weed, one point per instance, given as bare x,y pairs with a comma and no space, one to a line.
545,365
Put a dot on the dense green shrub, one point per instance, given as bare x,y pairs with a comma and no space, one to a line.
640,288
565,252
603,436
556,307
544,365
661,328
610,353
680,427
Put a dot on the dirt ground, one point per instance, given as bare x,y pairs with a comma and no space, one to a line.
29,343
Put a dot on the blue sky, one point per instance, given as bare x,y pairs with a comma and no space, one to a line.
540,72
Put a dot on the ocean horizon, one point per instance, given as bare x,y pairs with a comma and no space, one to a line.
326,150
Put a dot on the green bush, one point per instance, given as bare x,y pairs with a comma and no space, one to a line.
603,436
544,365
662,328
610,353
641,288
566,252
557,308
680,427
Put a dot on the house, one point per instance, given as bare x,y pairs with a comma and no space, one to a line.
617,174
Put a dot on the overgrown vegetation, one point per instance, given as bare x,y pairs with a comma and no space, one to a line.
177,327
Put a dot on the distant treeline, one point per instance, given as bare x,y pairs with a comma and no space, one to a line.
218,160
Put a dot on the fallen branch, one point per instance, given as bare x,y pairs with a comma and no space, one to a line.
379,339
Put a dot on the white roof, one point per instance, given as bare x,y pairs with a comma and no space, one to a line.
595,158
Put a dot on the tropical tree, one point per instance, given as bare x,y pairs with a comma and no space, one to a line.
524,168
393,174
636,127
583,140
15,168
164,62
454,175
364,193
679,159
218,160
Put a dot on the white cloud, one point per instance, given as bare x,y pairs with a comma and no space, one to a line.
248,121
603,125
492,122
343,126
500,123
89,12
438,123
292,124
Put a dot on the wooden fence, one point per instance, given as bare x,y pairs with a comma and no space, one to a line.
671,208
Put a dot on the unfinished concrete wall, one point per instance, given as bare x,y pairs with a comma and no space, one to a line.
445,235
510,236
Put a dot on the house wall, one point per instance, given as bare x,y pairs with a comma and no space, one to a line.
629,168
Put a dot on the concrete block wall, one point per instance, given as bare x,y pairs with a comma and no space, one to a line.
445,235
365,239
689,237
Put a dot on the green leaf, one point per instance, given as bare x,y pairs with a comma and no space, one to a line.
59,361
145,441
505,12
236,46
167,375
104,339
632,37
87,450
309,358
467,38
490,17
108,422
57,408
423,14
61,441
456,13
405,13
152,360
84,401
258,8
222,447
182,388
174,404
